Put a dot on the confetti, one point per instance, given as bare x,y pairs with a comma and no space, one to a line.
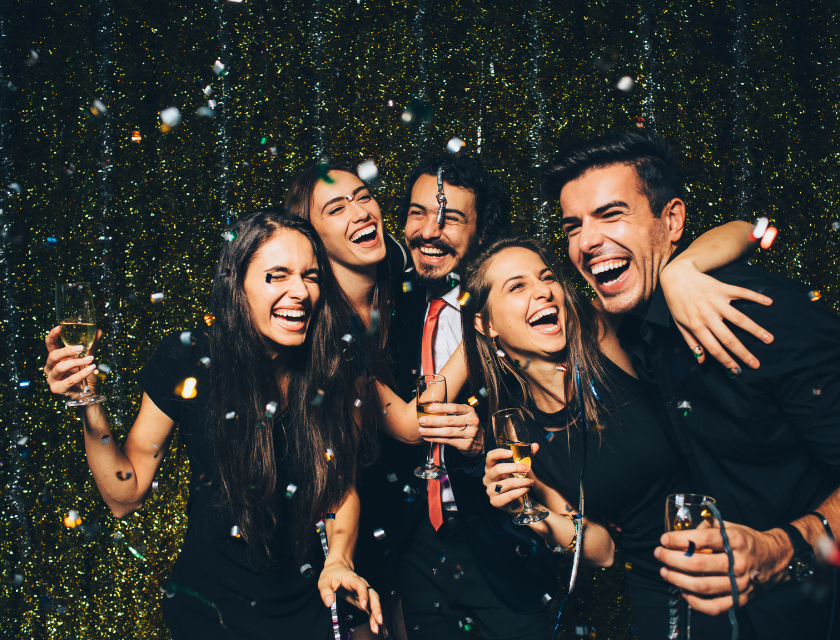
625,85
814,295
684,406
218,68
417,112
24,384
357,403
760,229
500,353
270,409
392,477
157,297
135,136
482,392
628,566
836,225
437,605
103,368
454,145
22,441
208,91
69,169
106,440
157,453
186,389
367,171
97,109
467,624
318,399
406,287
329,455
290,490
472,401
769,237
379,534
329,516
209,319
72,519
816,391
230,415
585,631
186,337
464,298
234,532
205,112
409,494
348,338
136,553
546,598
204,362
17,580
124,476
373,328
155,486
323,172
230,235
33,57
307,571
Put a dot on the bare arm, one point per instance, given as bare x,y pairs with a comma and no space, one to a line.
699,303
506,492
123,476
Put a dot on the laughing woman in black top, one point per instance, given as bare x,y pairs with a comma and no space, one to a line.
525,310
266,461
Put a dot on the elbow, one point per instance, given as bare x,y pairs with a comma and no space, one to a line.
119,510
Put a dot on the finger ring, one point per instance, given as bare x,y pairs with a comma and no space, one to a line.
698,351
498,488
369,587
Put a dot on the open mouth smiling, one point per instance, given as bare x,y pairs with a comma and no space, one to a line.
290,319
365,234
544,320
609,271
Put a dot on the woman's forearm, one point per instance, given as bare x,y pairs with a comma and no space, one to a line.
720,246
343,531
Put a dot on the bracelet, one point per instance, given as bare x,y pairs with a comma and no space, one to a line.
825,525
571,546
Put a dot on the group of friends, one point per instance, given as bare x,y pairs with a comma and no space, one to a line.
690,372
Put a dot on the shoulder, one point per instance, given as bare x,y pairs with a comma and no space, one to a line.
743,274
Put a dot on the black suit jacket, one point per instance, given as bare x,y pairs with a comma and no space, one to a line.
514,561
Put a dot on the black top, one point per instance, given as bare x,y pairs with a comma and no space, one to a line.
631,468
765,444
256,599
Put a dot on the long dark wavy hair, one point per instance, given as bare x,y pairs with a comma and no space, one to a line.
486,368
243,379
299,202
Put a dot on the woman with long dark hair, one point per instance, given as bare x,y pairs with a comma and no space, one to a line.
266,399
583,403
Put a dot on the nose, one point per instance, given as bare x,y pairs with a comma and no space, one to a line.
297,290
590,236
360,213
430,229
541,290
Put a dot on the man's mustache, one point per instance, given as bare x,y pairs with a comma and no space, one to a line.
417,241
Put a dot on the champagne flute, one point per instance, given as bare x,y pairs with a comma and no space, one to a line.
75,312
511,433
685,511
430,389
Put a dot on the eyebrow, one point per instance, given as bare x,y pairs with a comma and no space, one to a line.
447,210
542,271
597,212
339,198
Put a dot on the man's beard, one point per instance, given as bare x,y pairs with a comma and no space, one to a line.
429,277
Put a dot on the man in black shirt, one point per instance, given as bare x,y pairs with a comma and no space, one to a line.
763,441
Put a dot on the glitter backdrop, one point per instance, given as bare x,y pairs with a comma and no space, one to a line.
748,90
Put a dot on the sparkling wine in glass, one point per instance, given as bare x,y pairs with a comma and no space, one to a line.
511,433
430,389
685,511
76,314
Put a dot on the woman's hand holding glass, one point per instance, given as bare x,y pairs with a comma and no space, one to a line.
504,489
66,371
457,425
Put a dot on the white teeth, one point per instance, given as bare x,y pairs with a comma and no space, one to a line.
431,251
550,311
290,313
606,266
363,232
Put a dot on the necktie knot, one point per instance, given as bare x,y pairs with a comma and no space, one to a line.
436,305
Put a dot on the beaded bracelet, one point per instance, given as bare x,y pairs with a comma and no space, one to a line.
571,546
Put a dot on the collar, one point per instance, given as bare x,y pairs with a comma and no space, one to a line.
450,297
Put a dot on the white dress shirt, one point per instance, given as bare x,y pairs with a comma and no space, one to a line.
448,336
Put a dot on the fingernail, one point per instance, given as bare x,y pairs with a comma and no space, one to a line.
78,348
329,601
754,364
363,603
422,430
381,619
734,371
422,420
766,337
90,368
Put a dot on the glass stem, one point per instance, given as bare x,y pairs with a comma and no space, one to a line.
430,457
85,388
528,508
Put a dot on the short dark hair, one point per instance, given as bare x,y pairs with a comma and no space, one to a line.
657,165
492,198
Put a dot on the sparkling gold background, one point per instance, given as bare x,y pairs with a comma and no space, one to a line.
165,217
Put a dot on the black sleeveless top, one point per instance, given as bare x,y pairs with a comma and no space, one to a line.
631,467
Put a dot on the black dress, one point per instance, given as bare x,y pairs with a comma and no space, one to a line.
630,470
216,576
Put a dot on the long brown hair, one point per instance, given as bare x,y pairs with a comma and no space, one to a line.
486,368
243,381
299,202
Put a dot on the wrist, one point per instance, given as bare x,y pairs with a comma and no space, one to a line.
338,559
774,565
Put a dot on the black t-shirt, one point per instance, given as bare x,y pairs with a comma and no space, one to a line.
257,598
630,469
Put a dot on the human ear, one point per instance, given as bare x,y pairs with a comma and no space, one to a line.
479,326
674,215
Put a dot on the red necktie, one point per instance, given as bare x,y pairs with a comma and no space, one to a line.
435,307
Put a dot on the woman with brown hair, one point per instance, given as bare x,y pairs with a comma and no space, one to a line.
531,341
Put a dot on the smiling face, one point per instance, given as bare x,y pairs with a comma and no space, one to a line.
283,308
437,249
348,220
615,241
526,306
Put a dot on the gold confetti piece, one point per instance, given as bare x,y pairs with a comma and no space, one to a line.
186,389
209,319
472,401
464,298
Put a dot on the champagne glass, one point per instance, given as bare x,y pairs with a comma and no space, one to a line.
685,511
75,312
430,389
511,433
